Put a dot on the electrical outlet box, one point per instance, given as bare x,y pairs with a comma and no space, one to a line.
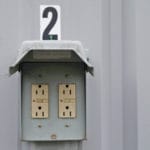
67,100
53,90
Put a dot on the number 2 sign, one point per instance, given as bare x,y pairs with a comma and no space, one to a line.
50,28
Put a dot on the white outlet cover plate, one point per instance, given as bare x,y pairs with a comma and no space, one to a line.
40,101
67,100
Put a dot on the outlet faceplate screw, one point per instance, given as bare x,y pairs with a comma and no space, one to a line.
66,125
40,76
66,75
40,126
53,136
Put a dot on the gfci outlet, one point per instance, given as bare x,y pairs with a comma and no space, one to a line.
39,101
67,100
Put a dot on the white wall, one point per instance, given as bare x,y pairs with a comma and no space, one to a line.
143,72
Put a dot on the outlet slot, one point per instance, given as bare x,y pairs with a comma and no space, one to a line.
64,92
39,107
43,92
39,100
67,100
67,107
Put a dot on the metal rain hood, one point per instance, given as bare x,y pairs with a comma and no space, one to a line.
48,51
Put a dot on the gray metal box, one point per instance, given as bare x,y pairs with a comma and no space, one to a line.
52,63
53,127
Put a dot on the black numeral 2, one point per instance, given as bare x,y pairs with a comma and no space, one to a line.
52,22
